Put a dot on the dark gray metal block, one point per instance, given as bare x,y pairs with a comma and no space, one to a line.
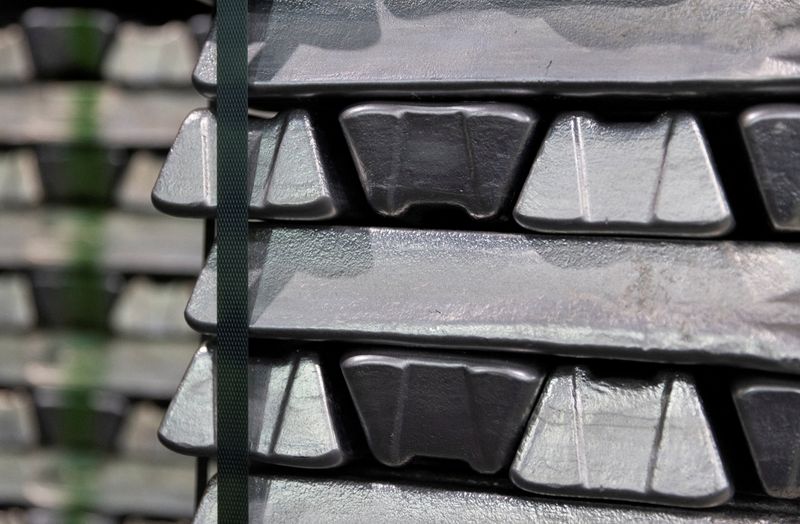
278,499
465,155
290,177
68,41
772,135
624,439
444,406
510,47
769,410
293,420
731,303
653,178
80,173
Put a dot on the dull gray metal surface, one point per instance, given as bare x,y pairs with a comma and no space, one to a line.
150,309
293,420
711,302
464,155
146,56
444,406
124,242
474,47
17,308
769,410
69,112
624,439
645,178
290,175
772,135
68,41
20,181
286,499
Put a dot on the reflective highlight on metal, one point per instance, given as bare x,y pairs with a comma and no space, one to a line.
290,176
645,178
769,410
772,135
444,406
151,55
701,302
293,421
277,499
464,155
625,439
472,47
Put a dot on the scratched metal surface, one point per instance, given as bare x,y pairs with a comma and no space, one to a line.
730,303
662,47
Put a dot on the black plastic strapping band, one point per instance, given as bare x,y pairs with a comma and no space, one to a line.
232,310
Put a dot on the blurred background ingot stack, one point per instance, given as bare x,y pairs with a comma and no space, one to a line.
93,281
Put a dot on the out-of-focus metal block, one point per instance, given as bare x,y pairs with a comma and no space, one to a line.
150,309
769,410
293,419
16,65
290,175
20,180
772,135
731,303
80,173
624,439
444,406
18,429
653,178
137,181
17,308
466,155
151,55
67,42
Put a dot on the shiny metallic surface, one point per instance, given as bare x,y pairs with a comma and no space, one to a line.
463,155
151,310
20,181
68,41
126,243
17,309
458,407
276,499
290,176
624,439
645,178
151,55
731,303
293,420
769,410
51,112
772,135
469,47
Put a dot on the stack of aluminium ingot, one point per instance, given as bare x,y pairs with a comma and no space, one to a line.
93,281
510,261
